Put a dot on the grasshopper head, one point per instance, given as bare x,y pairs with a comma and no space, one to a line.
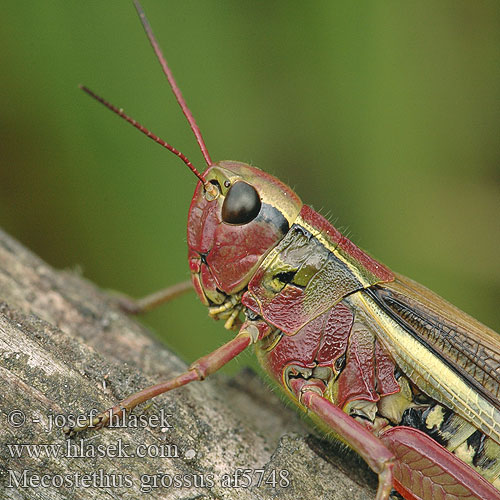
229,234
238,213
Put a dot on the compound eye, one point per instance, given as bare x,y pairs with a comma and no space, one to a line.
241,205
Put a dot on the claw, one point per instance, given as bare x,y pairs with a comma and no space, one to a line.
71,430
98,422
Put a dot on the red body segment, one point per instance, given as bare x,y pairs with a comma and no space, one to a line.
365,375
367,372
320,343
327,268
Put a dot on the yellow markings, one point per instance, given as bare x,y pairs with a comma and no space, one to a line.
334,249
435,418
465,452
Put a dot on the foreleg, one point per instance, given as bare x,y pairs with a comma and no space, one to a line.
249,333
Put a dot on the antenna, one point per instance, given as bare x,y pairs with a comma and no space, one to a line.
208,186
173,83
210,189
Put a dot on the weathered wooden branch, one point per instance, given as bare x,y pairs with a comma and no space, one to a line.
54,362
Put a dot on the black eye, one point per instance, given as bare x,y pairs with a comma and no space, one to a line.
242,204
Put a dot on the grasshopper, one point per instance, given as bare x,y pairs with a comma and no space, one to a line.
404,378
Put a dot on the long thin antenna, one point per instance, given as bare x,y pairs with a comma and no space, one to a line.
150,134
173,83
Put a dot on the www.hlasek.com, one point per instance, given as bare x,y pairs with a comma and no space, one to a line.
88,449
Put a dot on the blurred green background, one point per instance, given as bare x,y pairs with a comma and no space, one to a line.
383,115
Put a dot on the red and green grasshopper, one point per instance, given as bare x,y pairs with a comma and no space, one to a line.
397,373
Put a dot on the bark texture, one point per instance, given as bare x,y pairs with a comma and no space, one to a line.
54,363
